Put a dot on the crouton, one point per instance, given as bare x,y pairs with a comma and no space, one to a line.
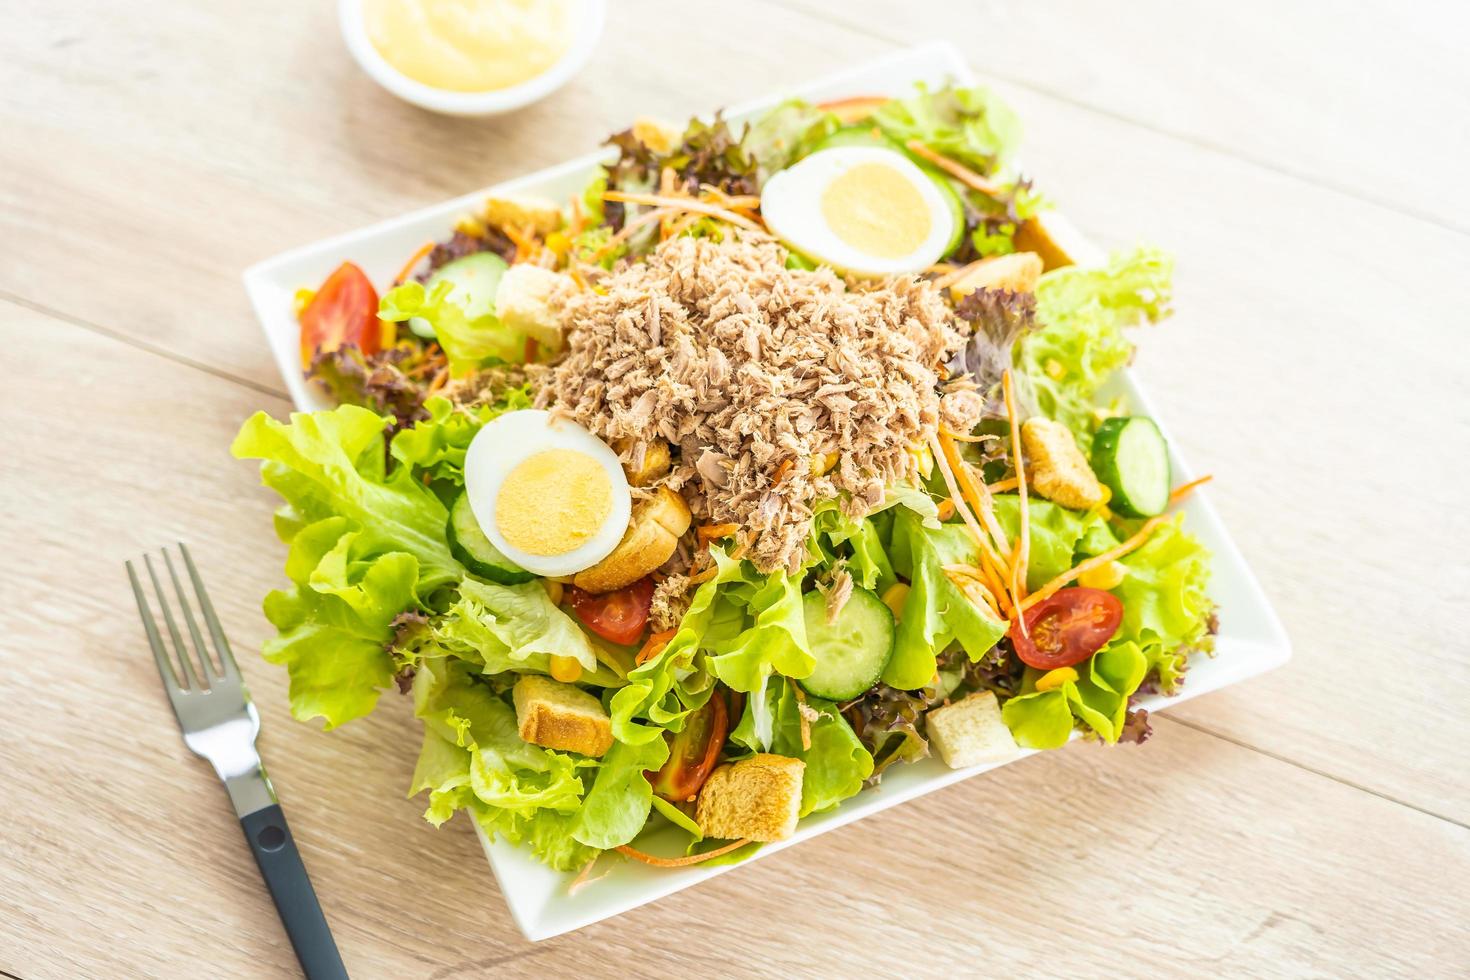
1018,271
534,214
560,716
659,137
970,732
1056,468
1057,241
653,466
757,798
528,299
653,533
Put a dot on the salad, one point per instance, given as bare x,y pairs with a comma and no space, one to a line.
777,458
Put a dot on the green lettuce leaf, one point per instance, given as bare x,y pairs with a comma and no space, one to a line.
1081,344
334,623
837,764
787,133
1057,535
969,125
473,758
468,342
331,464
1166,608
935,613
436,446
617,805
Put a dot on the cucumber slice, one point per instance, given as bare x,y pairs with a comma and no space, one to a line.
850,653
1130,457
474,279
470,547
872,136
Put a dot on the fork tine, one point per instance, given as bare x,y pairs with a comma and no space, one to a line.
210,672
206,608
173,631
160,654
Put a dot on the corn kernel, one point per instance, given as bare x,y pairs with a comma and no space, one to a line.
468,224
1053,679
553,591
559,243
925,460
823,462
565,669
1104,577
894,597
302,299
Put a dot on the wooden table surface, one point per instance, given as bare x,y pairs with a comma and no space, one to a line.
1305,162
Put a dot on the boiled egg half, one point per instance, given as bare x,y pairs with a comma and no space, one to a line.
867,210
546,492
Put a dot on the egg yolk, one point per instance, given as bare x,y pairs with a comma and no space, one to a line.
877,211
553,502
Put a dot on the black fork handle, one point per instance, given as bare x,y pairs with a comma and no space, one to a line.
280,864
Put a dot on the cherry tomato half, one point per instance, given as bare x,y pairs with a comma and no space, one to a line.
1067,627
694,752
618,617
343,311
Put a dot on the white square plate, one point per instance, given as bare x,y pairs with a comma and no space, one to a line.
1251,641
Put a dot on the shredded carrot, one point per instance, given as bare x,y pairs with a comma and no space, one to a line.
990,561
575,228
957,437
680,862
1022,555
961,575
643,220
440,379
584,877
959,171
699,578
1001,486
579,279
1180,492
974,491
526,244
654,646
709,532
783,471
738,552
413,260
683,225
955,275
683,204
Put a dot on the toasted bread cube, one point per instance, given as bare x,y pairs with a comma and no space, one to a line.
756,798
1057,241
653,533
535,214
658,136
1056,468
1018,271
970,732
528,299
562,717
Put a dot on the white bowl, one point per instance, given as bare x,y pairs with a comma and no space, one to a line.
587,20
1251,639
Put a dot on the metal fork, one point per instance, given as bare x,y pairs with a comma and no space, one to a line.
220,723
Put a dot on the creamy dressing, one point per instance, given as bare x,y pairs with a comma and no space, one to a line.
469,45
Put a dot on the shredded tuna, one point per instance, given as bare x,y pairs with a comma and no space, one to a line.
670,602
754,372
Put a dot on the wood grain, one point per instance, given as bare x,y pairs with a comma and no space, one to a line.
1291,826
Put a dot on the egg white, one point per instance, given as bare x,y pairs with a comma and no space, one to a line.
791,204
503,444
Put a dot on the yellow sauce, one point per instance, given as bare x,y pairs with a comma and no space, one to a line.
553,502
470,45
877,211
